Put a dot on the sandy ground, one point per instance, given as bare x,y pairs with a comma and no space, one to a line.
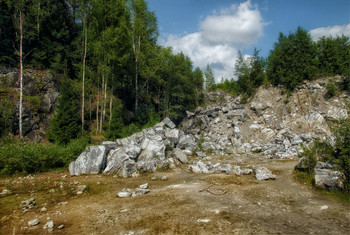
175,206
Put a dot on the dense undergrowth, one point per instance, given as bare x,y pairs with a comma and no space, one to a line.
335,151
19,156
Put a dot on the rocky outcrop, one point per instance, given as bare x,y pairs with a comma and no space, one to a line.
145,151
271,124
40,97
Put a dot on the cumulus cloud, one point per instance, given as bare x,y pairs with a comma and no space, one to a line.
218,37
334,31
240,25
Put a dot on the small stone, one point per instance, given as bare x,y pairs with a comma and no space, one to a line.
324,207
144,186
44,209
125,193
49,225
64,176
164,178
33,222
203,220
154,178
123,210
52,191
139,192
64,203
61,226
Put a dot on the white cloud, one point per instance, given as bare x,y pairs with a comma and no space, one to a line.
219,35
334,31
240,25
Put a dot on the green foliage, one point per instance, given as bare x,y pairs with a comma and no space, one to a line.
292,60
337,154
209,79
250,73
65,125
331,90
33,102
334,55
18,156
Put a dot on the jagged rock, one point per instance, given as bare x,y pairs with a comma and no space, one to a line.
139,192
49,225
61,227
115,160
33,222
179,155
127,169
169,123
336,114
187,142
91,161
328,179
262,173
125,193
144,186
238,114
172,136
27,204
227,168
80,189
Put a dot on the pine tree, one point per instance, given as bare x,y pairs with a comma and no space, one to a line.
209,79
65,125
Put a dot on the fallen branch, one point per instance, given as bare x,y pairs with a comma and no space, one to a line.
217,194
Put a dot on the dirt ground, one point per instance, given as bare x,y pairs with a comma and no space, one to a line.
174,206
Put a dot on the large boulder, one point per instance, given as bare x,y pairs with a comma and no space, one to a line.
115,160
179,155
91,161
262,173
327,178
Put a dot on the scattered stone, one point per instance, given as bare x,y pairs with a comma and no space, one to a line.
80,189
49,225
125,193
324,207
52,190
44,209
139,192
164,178
262,173
27,204
169,123
5,192
123,210
154,178
144,186
203,220
61,227
33,222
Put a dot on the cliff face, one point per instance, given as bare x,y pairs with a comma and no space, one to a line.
40,97
271,123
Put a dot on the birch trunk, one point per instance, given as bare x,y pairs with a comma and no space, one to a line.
20,72
83,85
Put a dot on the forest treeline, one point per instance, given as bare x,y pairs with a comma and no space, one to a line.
117,80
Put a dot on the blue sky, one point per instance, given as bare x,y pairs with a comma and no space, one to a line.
212,31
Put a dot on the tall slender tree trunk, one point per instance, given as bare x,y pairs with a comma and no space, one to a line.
105,102
83,85
102,100
20,72
98,104
38,18
136,47
110,107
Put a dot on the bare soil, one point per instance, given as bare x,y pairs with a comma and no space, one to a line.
175,206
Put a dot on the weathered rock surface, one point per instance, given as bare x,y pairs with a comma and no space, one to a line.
262,173
327,178
41,93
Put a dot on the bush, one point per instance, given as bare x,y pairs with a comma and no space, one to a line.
337,154
331,90
17,156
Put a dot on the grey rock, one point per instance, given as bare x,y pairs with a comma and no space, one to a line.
187,142
61,227
179,155
227,168
201,155
125,193
169,123
33,222
164,178
127,169
329,179
27,204
91,161
336,114
238,114
262,173
49,225
144,186
139,192
115,160
172,135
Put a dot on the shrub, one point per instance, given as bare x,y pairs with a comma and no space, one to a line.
331,90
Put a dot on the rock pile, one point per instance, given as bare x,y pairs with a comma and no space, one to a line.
141,190
145,151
